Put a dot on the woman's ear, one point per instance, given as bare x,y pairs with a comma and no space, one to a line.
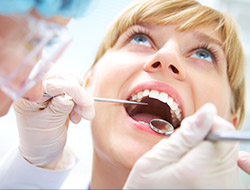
88,81
234,115
234,119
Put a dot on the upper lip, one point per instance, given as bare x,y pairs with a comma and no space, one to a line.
161,87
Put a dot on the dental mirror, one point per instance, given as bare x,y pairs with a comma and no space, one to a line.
161,126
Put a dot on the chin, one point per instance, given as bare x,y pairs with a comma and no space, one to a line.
126,156
126,162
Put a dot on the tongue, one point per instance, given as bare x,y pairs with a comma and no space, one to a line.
145,117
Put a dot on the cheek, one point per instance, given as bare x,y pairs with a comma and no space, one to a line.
215,91
8,61
113,70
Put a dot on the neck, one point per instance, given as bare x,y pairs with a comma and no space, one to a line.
106,174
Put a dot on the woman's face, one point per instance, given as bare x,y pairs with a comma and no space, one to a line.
175,72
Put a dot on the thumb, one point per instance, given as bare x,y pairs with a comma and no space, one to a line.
61,105
22,105
244,161
192,131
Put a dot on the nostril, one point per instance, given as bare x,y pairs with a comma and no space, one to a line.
157,64
173,68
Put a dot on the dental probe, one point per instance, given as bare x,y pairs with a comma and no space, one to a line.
229,136
108,100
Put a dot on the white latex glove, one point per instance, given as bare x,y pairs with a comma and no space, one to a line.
43,125
186,161
244,161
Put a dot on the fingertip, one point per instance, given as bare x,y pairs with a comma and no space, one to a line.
89,114
75,117
207,108
86,112
88,99
206,114
244,161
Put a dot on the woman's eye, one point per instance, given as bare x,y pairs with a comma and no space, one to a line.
203,54
140,39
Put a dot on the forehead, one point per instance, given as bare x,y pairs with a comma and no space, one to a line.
208,32
188,14
12,29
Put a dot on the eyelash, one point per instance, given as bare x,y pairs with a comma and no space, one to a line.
213,52
133,32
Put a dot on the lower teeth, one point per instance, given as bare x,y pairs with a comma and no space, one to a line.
143,123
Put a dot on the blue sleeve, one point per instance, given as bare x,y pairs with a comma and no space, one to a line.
16,6
47,8
67,8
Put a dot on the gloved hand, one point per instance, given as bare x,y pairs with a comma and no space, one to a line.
43,125
244,161
187,161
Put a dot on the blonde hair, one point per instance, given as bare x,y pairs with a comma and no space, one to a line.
190,14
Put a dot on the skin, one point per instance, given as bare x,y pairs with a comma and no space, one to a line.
166,60
12,45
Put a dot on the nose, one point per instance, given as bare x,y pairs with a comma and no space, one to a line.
168,60
35,93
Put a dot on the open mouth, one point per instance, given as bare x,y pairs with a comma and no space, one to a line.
160,105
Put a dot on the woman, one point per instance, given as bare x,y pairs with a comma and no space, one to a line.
176,56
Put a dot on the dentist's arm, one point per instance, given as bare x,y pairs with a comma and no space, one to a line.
187,161
42,161
43,125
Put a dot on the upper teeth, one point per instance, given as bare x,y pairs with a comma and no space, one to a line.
161,96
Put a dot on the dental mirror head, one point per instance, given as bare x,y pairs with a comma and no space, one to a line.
161,126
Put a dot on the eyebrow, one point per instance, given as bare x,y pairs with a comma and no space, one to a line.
204,37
